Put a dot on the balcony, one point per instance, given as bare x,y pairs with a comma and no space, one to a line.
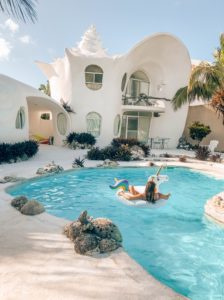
143,103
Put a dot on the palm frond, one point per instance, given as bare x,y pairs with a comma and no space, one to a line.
217,103
200,90
21,9
205,80
180,98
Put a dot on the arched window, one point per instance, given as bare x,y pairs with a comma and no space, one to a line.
62,123
94,77
138,84
20,118
117,122
93,121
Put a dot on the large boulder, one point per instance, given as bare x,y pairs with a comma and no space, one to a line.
32,207
91,236
106,229
87,244
19,202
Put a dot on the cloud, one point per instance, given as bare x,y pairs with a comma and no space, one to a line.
5,49
11,25
25,39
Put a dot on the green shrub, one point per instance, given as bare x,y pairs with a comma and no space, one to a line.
80,138
198,131
121,153
86,138
71,137
95,154
117,142
202,153
17,151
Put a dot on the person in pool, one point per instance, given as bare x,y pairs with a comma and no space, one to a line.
151,194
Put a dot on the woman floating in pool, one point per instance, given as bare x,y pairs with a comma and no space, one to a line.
151,194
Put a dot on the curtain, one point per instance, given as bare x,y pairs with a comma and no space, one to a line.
62,123
93,124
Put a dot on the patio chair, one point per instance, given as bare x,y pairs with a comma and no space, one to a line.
212,145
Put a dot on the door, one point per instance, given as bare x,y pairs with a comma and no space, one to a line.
132,127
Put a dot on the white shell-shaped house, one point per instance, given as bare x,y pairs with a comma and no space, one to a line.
21,108
112,96
109,94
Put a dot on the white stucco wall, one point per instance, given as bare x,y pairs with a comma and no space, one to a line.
15,94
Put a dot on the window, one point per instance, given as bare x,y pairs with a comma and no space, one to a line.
20,119
45,116
138,84
62,123
93,121
117,122
94,77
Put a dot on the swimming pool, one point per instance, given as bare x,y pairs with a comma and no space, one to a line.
175,243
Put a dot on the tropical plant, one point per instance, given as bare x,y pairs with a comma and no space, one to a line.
79,162
45,88
206,82
202,153
21,9
66,106
198,131
75,139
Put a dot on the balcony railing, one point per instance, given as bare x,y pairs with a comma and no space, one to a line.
142,100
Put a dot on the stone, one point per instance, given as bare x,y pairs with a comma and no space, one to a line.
32,207
93,236
86,243
49,168
19,202
107,163
108,245
105,228
12,179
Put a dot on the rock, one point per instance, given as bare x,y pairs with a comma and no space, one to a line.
92,236
19,202
41,171
105,228
108,164
50,168
11,179
32,207
107,245
86,243
137,153
83,218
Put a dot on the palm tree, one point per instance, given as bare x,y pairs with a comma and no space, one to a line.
21,9
45,88
206,82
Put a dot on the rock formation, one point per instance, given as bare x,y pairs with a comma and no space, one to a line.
27,207
50,168
92,236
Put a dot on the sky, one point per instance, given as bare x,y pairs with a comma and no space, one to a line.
120,23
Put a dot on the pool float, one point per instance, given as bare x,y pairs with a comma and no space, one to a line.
123,185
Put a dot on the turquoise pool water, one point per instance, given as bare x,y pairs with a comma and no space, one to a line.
175,243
